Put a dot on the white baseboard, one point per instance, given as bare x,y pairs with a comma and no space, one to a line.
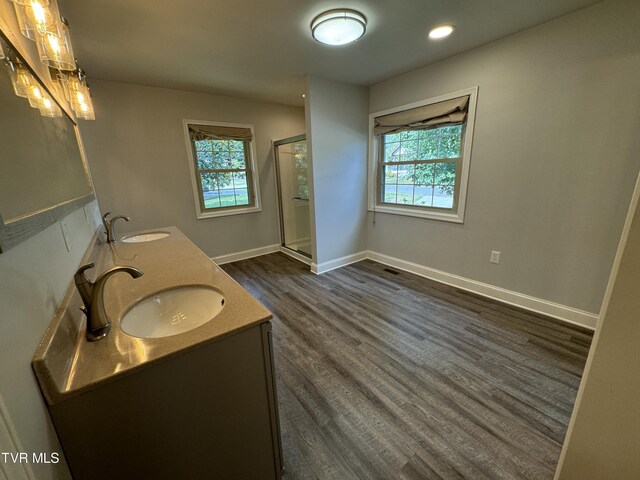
527,302
254,252
319,268
296,255
538,305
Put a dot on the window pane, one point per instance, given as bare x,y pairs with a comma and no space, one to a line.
239,180
423,196
424,174
428,147
410,135
392,152
405,174
409,150
445,173
203,145
390,174
236,145
210,194
392,137
221,160
449,146
443,197
405,194
237,159
220,145
389,193
205,160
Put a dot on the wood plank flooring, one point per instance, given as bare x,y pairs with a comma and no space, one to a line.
385,375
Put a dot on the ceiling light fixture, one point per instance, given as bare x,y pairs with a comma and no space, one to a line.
338,27
441,31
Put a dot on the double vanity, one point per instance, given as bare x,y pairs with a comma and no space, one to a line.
182,383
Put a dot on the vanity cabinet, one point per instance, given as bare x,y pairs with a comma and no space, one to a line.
206,413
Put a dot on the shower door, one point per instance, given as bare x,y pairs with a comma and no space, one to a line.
292,173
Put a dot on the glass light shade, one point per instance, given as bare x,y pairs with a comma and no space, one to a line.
59,79
27,28
36,96
38,17
73,85
338,27
54,47
77,87
50,109
84,106
21,79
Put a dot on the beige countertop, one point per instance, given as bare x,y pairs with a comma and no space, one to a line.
66,364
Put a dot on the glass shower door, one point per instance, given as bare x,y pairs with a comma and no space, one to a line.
293,191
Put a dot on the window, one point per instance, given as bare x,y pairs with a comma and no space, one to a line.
421,157
221,161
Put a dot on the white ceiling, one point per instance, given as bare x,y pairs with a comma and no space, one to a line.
263,48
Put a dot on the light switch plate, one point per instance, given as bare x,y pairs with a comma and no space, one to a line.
494,257
65,234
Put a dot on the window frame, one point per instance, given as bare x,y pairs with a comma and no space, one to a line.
455,215
253,183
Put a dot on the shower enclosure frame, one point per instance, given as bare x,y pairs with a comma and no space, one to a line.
300,255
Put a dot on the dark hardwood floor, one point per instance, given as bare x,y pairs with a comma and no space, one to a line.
385,375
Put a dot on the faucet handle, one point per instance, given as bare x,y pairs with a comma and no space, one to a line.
80,277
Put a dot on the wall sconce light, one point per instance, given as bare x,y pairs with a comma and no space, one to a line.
21,78
54,46
40,20
80,95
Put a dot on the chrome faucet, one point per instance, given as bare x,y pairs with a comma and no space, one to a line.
98,324
109,225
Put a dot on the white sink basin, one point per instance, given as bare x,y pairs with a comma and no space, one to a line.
145,237
173,311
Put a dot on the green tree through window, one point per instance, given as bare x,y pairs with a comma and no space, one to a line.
419,167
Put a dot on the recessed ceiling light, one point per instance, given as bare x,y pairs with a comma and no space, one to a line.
338,27
441,31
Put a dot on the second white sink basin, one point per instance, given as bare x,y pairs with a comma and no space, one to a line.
173,311
145,237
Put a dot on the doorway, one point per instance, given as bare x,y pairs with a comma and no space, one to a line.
292,174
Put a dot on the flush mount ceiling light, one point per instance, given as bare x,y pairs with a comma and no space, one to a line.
441,31
338,27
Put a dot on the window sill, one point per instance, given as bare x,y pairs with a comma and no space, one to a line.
428,214
225,213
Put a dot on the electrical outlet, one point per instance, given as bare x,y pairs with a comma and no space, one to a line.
65,235
494,257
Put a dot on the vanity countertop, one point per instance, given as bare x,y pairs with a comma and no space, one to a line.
66,364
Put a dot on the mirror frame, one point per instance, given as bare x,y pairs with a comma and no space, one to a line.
19,229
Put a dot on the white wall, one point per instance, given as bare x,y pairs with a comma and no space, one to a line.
337,122
554,159
603,439
138,156
35,276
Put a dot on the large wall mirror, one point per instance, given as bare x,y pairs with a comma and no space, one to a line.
43,175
